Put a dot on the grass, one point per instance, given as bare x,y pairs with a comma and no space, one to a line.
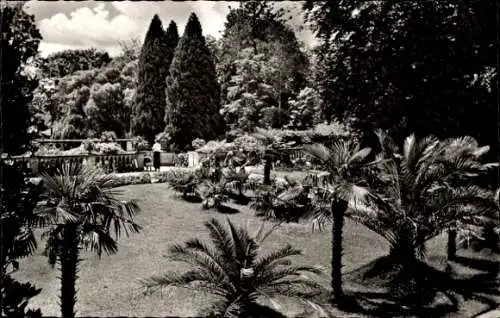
109,286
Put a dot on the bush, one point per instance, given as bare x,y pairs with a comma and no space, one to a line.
140,144
108,148
198,143
120,180
108,136
181,160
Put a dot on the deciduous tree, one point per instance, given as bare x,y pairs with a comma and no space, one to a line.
19,43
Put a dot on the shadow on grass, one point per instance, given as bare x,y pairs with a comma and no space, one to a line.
192,198
416,289
224,209
479,264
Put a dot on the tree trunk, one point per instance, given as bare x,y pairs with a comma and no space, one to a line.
452,244
69,268
267,170
339,207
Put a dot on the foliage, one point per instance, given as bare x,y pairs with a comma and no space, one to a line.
288,200
67,62
423,68
19,44
155,58
123,179
80,211
181,160
18,201
183,182
43,107
140,144
198,143
272,147
213,194
192,90
231,270
108,136
305,111
131,49
82,104
72,95
260,67
105,111
425,189
341,190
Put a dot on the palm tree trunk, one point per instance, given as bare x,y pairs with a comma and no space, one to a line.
267,170
452,244
339,207
69,268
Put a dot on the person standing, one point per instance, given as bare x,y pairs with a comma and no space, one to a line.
156,155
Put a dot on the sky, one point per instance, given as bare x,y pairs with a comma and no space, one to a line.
102,25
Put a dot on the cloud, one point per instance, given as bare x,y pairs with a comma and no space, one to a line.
101,25
211,14
89,27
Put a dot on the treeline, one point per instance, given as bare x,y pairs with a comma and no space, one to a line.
425,68
188,86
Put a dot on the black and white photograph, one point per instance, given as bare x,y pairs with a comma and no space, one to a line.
261,159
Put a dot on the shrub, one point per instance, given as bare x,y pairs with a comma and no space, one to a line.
108,148
181,160
198,143
140,144
108,136
124,179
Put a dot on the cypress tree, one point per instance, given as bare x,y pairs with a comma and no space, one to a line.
172,36
149,109
193,91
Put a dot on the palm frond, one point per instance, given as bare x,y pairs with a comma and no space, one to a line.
215,255
359,156
223,242
199,260
318,151
96,239
267,261
261,235
183,280
286,273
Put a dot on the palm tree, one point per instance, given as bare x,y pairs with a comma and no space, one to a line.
337,191
426,190
81,210
288,200
272,147
231,270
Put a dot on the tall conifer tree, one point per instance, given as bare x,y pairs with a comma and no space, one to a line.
192,89
172,36
149,109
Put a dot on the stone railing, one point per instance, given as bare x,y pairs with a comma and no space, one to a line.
127,162
50,164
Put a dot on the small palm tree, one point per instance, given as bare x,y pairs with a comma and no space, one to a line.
426,190
337,191
272,147
184,183
288,201
80,211
231,270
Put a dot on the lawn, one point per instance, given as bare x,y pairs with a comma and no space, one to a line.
109,286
